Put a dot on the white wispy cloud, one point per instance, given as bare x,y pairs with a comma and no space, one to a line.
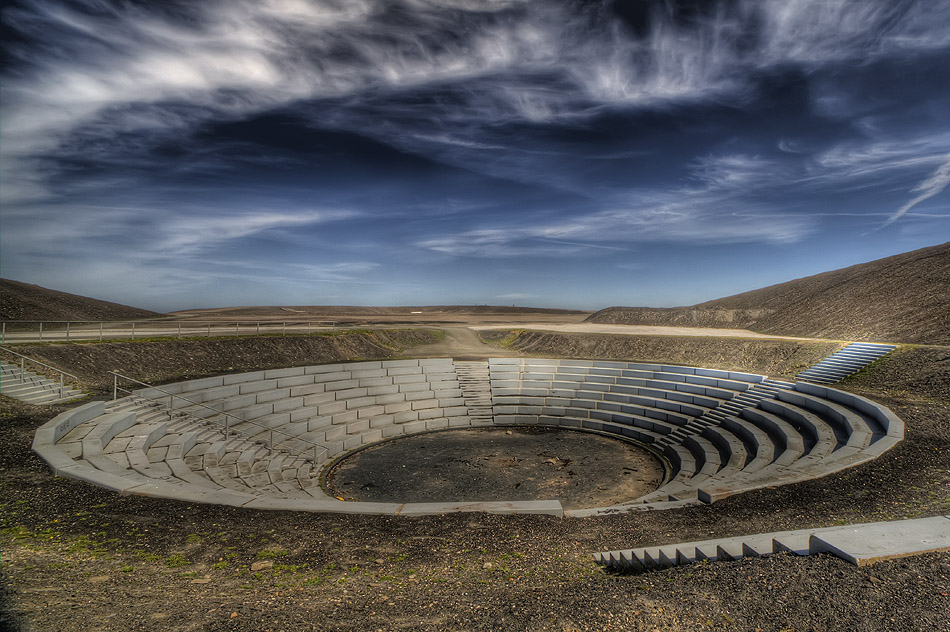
516,296
99,85
183,234
934,185
883,161
685,220
300,275
871,157
740,172
674,217
537,60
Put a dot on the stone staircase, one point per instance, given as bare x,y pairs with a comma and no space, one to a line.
767,389
473,379
840,365
860,544
34,388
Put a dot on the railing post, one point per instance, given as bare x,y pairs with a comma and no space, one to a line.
133,330
271,438
283,330
236,330
258,329
115,386
22,367
179,331
209,330
308,327
41,330
67,331
60,385
100,331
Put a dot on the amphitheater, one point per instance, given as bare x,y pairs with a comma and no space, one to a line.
267,439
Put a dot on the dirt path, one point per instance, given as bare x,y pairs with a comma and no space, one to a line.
638,330
464,343
461,343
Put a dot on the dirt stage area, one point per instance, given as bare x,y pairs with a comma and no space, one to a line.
580,469
79,558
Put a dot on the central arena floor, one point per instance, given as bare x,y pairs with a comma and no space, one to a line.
580,469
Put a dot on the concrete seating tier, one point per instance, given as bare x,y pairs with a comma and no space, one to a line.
34,388
719,433
264,439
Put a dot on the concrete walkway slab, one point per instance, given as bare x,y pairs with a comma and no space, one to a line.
866,544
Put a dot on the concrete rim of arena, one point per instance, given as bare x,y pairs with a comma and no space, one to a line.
719,433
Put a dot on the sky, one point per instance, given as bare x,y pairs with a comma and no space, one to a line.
583,154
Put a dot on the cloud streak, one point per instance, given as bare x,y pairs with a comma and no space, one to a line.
414,135
183,235
932,186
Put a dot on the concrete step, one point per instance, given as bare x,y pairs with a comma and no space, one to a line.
843,362
34,388
861,544
870,348
837,368
818,380
828,373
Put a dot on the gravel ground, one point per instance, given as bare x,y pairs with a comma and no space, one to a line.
76,557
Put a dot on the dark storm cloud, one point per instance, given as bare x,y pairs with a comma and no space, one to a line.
235,139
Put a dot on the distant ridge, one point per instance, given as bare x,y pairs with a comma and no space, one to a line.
24,301
904,298
301,311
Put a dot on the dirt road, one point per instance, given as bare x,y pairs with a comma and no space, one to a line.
636,330
461,343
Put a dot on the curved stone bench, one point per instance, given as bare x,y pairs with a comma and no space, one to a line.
263,439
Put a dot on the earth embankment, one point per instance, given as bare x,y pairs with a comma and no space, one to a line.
162,361
776,358
25,301
904,298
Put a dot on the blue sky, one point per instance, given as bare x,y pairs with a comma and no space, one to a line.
562,154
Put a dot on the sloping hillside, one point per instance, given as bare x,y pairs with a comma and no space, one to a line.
24,301
904,298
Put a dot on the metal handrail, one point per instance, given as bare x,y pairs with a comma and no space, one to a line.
167,327
24,359
227,428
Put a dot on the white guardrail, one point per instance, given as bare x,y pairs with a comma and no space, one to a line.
13,331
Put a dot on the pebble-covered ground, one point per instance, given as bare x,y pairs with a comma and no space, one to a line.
76,557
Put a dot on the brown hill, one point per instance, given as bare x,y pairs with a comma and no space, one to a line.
904,298
24,301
